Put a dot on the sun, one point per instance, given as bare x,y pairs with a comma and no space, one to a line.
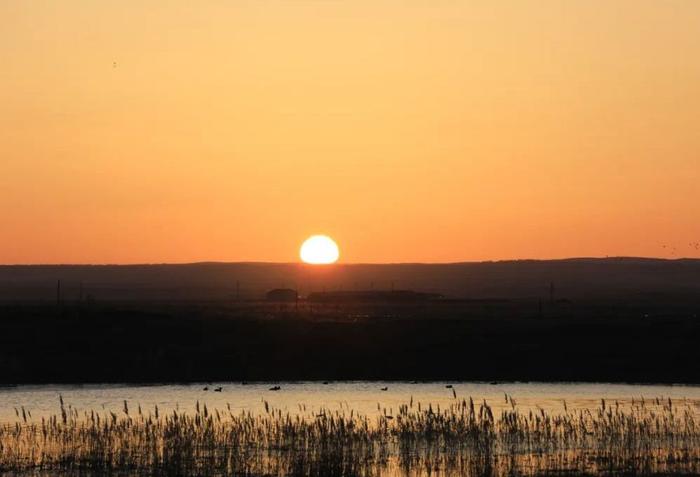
319,250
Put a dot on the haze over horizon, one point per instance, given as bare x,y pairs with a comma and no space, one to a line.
358,263
407,131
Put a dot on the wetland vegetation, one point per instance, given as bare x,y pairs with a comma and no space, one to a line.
642,437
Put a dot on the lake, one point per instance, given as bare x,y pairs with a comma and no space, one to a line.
362,396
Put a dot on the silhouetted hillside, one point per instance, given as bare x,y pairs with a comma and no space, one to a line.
583,319
571,278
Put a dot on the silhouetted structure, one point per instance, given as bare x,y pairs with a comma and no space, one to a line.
372,296
282,295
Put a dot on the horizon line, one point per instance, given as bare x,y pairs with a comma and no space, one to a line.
299,263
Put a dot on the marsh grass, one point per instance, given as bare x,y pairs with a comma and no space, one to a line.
464,438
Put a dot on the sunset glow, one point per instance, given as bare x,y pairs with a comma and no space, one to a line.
162,131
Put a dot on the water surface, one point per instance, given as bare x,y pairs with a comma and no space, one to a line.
362,396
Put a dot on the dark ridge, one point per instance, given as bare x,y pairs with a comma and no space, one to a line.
572,278
613,320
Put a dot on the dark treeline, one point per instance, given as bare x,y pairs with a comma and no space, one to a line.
650,339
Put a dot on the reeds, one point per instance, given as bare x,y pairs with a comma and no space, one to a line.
464,438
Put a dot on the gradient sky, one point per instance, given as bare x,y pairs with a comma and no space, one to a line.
175,131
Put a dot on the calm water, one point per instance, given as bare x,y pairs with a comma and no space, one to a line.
363,397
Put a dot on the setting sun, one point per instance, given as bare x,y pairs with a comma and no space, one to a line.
319,250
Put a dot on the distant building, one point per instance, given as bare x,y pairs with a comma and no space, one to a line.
282,295
372,296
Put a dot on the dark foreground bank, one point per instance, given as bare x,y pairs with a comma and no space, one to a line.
646,340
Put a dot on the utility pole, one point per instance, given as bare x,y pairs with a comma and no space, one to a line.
551,292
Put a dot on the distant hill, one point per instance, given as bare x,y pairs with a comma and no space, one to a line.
570,278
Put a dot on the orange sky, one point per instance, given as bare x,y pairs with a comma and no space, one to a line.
439,130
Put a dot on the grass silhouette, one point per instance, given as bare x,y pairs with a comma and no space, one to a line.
464,438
